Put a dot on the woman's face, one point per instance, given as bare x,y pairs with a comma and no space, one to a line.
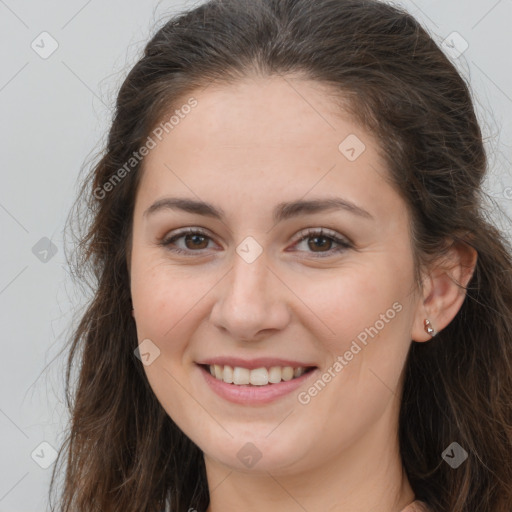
255,293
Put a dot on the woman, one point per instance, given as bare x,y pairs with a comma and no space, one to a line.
299,303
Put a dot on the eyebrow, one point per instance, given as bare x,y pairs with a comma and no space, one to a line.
282,211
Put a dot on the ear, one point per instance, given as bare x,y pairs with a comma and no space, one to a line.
444,289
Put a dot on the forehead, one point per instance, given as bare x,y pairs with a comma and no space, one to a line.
269,137
269,112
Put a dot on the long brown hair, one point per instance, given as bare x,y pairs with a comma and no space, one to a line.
123,452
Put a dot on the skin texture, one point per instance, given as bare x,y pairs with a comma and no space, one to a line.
245,148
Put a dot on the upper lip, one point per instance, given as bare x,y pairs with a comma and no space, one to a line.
260,362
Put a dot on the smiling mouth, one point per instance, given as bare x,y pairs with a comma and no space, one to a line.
239,376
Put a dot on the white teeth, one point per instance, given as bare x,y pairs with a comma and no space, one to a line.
257,377
287,373
240,375
274,374
228,375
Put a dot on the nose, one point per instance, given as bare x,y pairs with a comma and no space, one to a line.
252,301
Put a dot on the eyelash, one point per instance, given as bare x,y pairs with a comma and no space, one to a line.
343,243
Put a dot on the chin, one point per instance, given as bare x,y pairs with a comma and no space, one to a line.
255,452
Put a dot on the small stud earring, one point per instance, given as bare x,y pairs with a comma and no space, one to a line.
428,328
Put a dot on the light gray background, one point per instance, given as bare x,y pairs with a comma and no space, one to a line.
55,114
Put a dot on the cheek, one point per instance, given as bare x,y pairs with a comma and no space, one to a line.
369,311
157,299
373,328
357,301
161,303
168,300
167,306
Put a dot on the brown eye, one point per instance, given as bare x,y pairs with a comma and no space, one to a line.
195,240
321,242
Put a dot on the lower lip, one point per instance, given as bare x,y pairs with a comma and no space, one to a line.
254,395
